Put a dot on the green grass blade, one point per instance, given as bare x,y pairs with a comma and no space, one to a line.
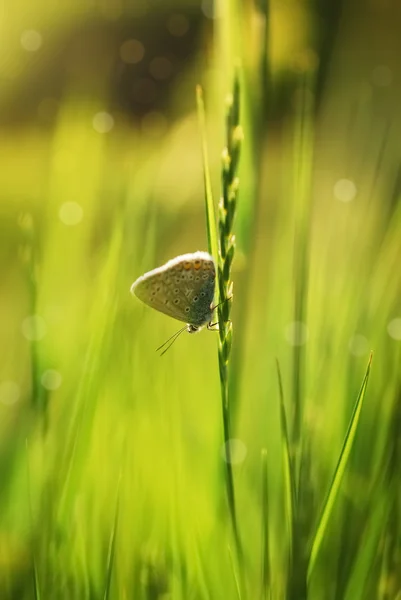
364,560
35,577
112,544
302,206
338,474
236,575
289,474
266,572
82,418
210,212
226,250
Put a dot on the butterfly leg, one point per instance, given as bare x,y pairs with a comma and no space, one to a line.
215,326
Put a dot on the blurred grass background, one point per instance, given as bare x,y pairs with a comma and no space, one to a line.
111,458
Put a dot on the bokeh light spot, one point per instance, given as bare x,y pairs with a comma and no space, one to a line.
212,9
394,329
358,345
160,68
51,379
103,122
132,52
70,213
33,328
344,190
31,40
296,333
9,392
234,451
178,25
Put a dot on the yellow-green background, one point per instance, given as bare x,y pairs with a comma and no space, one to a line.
128,428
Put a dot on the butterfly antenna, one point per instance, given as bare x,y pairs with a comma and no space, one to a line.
171,340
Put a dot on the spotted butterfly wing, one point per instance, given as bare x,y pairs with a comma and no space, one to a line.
183,288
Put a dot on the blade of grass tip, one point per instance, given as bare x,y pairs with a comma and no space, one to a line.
112,543
338,473
209,204
35,577
266,573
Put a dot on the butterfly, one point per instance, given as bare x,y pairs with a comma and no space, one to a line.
183,288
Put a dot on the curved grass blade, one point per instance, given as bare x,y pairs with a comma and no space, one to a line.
338,474
210,213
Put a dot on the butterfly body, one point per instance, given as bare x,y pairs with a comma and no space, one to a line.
183,288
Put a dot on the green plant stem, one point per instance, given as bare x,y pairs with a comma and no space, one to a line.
227,206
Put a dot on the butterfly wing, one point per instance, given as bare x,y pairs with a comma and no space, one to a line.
182,289
156,292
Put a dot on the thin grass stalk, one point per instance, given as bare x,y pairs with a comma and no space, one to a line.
266,571
303,148
35,576
296,581
227,207
288,467
235,575
338,474
365,559
112,543
209,203
222,249
390,578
